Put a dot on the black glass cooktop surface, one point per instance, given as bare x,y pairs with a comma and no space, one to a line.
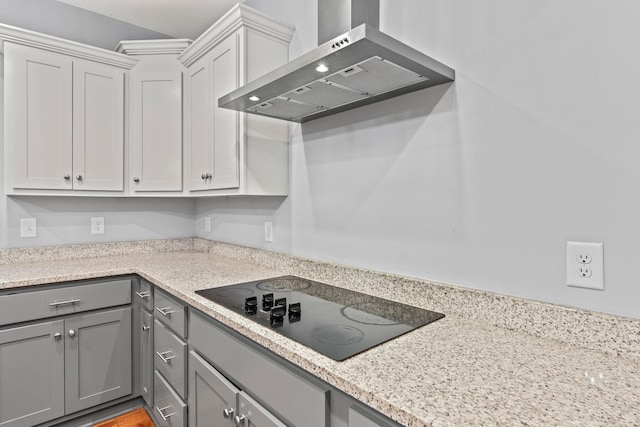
336,322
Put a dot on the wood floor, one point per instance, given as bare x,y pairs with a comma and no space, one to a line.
137,418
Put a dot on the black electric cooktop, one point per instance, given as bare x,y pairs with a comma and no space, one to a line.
336,322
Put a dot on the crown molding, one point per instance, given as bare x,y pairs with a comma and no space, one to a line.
153,47
239,16
29,38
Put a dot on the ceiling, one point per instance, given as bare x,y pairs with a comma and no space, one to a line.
176,18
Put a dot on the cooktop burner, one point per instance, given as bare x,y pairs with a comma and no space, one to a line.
336,322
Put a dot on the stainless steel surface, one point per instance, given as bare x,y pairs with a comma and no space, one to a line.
70,301
165,311
143,295
364,66
164,416
72,333
339,16
163,355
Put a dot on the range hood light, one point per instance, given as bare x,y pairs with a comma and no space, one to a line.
254,98
322,68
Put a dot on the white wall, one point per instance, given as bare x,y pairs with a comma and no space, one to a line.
67,220
479,183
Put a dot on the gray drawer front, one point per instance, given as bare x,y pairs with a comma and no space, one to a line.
171,312
143,294
31,305
170,357
260,376
168,408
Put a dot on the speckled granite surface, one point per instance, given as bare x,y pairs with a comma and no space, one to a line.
463,370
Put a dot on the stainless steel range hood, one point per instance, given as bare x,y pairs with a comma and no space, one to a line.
363,66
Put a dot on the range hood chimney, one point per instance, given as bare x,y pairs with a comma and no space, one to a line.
354,65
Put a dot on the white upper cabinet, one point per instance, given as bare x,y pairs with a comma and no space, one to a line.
225,152
155,116
64,115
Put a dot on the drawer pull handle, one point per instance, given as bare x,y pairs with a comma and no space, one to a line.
70,301
164,357
143,295
227,412
165,311
164,416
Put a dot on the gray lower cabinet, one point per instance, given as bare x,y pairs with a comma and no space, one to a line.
251,414
32,380
97,358
168,408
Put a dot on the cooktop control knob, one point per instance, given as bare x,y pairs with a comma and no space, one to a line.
281,302
267,302
251,305
295,310
277,312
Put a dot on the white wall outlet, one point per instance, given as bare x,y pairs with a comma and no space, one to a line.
97,225
28,227
585,265
268,231
207,224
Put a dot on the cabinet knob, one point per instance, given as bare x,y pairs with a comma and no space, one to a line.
57,336
72,333
146,328
209,176
67,177
136,179
79,177
239,420
204,176
227,412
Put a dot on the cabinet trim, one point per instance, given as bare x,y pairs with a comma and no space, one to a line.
66,47
237,17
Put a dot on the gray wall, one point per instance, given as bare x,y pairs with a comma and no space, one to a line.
67,220
480,183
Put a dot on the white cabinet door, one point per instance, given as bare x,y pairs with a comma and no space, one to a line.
226,131
38,111
156,163
197,125
98,127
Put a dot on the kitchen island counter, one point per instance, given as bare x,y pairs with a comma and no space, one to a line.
458,371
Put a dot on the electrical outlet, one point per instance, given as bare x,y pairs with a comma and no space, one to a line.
585,265
97,225
207,224
268,231
28,227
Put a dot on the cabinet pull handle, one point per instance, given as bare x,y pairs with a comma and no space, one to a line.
239,420
136,179
227,412
167,358
143,295
57,336
67,177
72,333
204,176
146,328
70,301
164,416
209,176
165,311
79,177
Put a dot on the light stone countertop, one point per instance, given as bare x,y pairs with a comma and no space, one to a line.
457,371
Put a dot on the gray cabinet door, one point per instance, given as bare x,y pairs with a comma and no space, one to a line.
212,398
98,358
32,374
252,414
146,356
